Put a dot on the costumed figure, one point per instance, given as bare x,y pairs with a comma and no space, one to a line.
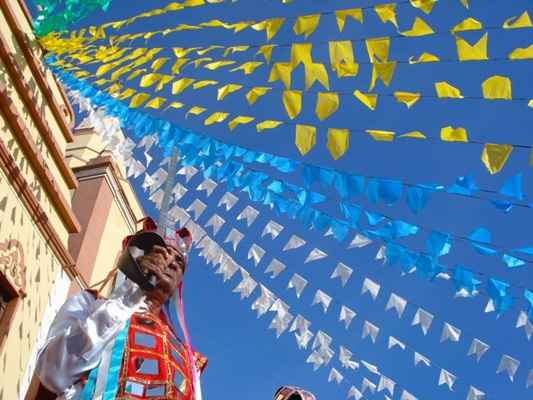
127,346
293,393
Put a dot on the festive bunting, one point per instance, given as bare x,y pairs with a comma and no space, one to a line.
424,319
509,365
298,284
478,348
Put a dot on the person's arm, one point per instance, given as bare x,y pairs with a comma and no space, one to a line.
83,327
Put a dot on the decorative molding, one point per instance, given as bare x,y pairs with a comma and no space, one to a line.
12,263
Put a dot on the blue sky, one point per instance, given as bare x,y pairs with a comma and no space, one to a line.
245,358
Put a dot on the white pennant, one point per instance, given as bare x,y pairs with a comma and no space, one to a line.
396,302
215,222
148,182
336,376
371,330
370,367
275,267
529,381
263,303
346,315
148,158
509,365
366,384
359,241
300,324
188,172
157,198
447,378
234,237
381,254
208,185
246,286
450,332
298,284
228,200
256,253
523,321
395,342
227,268
323,299
293,243
345,357
315,254
135,169
322,340
407,396
423,318
343,272
354,393
178,215
478,348
475,394
249,214
386,384
164,161
371,287
280,323
147,142
179,191
197,208
420,358
303,339
315,359
158,178
273,229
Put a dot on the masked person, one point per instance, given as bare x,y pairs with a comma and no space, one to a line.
293,393
127,347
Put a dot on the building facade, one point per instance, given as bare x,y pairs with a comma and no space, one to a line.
64,202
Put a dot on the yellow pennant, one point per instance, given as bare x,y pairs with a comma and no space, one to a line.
368,99
316,72
218,64
497,87
326,105
341,15
476,52
494,156
266,51
223,91
301,53
451,134
465,3
305,138
203,52
306,24
383,72
149,80
424,58
530,105
413,135
381,136
176,105
292,100
181,52
338,142
387,13
256,92
216,118
446,91
138,100
235,49
155,103
248,67
267,124
195,110
341,58
523,21
424,5
159,63
378,49
176,68
126,94
124,70
199,61
407,98
469,24
420,28
270,26
181,84
240,120
114,88
283,72
133,75
201,84
165,80
522,53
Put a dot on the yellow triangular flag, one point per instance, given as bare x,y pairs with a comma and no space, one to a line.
271,26
306,24
469,24
381,136
382,71
176,68
446,91
256,92
301,53
497,87
283,72
451,134
476,52
201,84
530,103
203,52
494,156
465,3
424,5
149,79
305,138
223,91
378,49
165,80
241,119
176,105
420,28
248,67
368,99
125,94
522,53
316,72
238,49
355,13
218,64
155,103
424,58
342,59
181,84
387,13
268,124
194,110
292,100
326,105
266,51
413,135
407,98
216,118
338,142
138,100
159,63
523,21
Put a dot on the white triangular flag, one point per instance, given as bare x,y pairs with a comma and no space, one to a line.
346,315
158,178
354,393
303,339
135,169
490,307
371,287
386,384
420,358
227,268
398,303
523,321
509,365
256,253
345,357
300,324
475,394
366,384
395,342
280,307
215,222
281,322
371,330
447,378
407,396
293,243
228,200
298,283
326,353
336,376
164,161
249,214
148,182
197,208
157,198
322,340
382,254
234,237
343,272
450,332
275,267
208,185
478,348
315,359
189,172
273,229
263,303
329,232
529,381
423,318
246,286
359,241
179,191
323,299
370,367
147,142
148,158
315,254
